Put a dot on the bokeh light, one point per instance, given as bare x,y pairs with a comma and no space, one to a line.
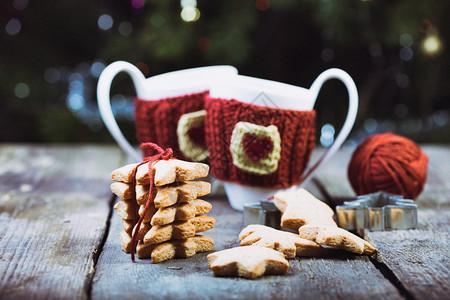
125,28
75,99
370,125
97,68
406,54
406,40
138,4
327,135
262,5
431,44
20,4
204,44
188,3
327,55
21,90
13,26
105,22
375,50
143,67
402,80
52,75
190,14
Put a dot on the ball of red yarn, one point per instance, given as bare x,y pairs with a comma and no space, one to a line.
388,163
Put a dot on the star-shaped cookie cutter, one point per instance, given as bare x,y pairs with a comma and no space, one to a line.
377,212
263,212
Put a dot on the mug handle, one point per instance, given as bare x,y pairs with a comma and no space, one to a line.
343,76
104,102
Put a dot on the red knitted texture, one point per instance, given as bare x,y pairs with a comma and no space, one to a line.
157,121
388,163
297,132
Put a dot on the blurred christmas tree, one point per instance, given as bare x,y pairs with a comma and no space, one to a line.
53,52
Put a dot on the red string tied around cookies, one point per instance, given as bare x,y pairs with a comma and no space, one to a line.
161,154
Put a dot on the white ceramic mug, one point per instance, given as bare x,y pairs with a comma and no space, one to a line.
173,84
277,95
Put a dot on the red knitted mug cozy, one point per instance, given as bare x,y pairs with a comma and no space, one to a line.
258,146
157,121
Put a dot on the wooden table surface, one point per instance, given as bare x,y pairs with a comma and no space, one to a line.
59,238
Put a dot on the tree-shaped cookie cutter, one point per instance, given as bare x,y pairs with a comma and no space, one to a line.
377,212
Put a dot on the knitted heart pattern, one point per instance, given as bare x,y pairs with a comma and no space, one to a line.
197,134
255,148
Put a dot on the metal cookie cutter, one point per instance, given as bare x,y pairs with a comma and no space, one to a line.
264,212
377,212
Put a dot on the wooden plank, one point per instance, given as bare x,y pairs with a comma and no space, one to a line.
54,205
419,258
415,260
336,275
437,187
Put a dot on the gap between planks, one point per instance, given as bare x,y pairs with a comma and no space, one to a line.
378,264
95,257
90,279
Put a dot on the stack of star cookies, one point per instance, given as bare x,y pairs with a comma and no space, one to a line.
175,214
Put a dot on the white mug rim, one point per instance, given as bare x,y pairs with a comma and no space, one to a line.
263,92
187,81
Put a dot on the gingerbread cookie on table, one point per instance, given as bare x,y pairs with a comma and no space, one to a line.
314,221
248,261
290,244
336,237
300,208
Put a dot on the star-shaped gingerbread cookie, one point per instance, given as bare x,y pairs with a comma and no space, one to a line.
336,237
300,208
179,211
180,192
175,248
179,229
163,196
248,261
290,244
165,172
